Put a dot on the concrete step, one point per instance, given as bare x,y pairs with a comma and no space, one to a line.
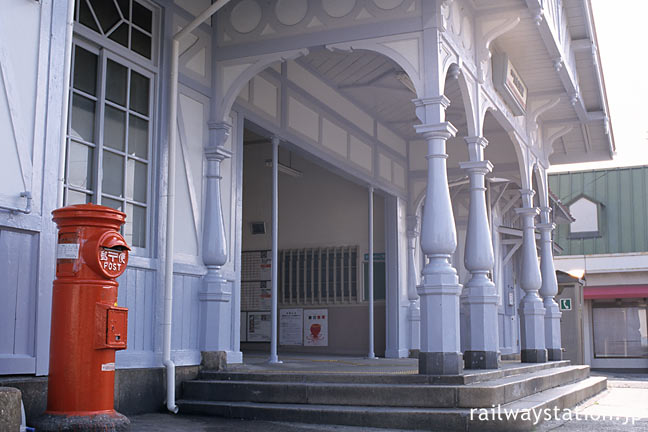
482,394
437,419
469,376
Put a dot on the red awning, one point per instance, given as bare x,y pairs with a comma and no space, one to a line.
615,291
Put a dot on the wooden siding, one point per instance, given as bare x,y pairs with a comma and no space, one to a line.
623,214
18,253
138,293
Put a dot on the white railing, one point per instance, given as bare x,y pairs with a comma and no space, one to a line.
328,275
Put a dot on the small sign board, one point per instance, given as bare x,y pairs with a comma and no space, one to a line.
258,326
378,256
291,325
565,304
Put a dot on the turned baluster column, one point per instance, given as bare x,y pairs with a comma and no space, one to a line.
549,288
532,311
440,289
217,291
479,294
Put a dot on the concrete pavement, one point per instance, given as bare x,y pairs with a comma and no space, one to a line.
623,407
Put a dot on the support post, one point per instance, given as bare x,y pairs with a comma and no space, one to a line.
549,288
440,289
412,282
275,241
216,294
371,353
532,311
479,294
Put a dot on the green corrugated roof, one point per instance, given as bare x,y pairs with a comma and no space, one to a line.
623,213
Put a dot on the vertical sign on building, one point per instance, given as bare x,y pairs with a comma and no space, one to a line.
315,327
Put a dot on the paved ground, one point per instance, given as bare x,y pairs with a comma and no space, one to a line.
623,407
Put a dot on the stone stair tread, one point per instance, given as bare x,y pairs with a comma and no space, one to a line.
481,384
428,418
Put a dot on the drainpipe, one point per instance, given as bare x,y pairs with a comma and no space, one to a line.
168,265
66,101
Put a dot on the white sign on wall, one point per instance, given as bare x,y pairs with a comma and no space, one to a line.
258,326
291,326
316,327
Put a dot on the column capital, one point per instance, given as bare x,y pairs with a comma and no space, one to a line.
434,100
224,129
218,153
527,192
546,226
481,167
478,140
533,211
443,130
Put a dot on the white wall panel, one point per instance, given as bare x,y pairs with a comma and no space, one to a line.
334,137
265,96
384,167
303,119
390,139
329,96
361,153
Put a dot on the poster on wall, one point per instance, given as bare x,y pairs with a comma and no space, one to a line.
291,325
316,327
243,327
258,326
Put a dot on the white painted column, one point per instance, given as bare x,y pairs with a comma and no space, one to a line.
371,353
532,311
549,287
440,289
412,281
217,291
275,249
479,294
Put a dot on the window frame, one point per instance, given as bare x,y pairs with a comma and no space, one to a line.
639,303
599,220
106,49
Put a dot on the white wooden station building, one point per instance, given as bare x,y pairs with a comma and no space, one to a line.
426,126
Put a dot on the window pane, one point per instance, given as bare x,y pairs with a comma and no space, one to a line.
74,197
139,97
116,83
138,137
125,8
114,128
135,226
620,332
85,71
86,18
142,17
106,13
136,181
141,43
108,202
79,165
113,174
83,118
120,35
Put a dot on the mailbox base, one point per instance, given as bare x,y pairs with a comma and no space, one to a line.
106,422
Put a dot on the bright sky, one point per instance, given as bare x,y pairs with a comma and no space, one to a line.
622,34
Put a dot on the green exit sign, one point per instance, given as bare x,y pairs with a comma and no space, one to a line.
566,304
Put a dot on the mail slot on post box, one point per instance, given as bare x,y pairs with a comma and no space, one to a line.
87,324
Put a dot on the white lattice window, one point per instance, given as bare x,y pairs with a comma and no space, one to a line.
110,127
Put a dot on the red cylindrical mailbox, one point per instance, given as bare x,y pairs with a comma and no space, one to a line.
87,325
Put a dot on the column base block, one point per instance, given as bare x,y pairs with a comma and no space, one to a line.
481,359
554,354
534,356
213,360
440,363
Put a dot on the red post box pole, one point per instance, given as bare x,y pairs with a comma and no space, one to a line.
87,325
